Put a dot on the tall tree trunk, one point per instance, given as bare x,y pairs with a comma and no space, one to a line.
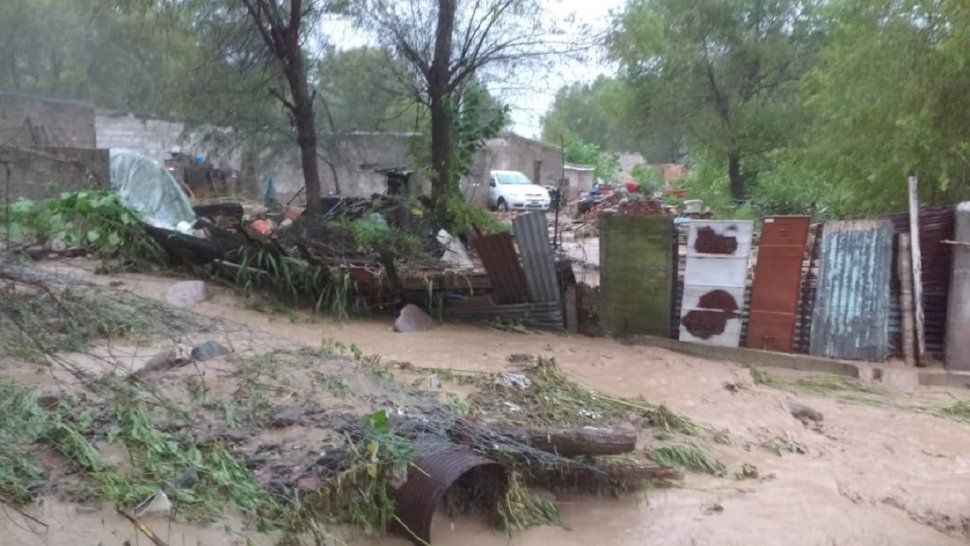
441,150
738,192
442,144
306,133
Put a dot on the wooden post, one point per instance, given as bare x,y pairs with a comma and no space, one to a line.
958,309
905,272
917,265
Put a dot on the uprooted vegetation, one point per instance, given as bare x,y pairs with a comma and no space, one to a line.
298,439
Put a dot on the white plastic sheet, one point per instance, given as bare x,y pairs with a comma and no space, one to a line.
150,190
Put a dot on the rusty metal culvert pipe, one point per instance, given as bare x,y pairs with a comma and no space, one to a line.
436,469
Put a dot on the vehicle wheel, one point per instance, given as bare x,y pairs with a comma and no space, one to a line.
502,206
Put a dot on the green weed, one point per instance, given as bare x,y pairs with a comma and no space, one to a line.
958,410
689,457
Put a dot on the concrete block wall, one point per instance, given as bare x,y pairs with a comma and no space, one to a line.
41,172
156,138
27,120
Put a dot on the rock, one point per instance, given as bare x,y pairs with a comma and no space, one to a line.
186,293
172,357
413,319
208,350
157,505
58,246
805,413
287,417
36,252
517,380
520,358
48,401
186,480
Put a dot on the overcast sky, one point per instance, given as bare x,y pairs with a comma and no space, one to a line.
530,92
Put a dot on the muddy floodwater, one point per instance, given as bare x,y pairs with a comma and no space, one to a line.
880,469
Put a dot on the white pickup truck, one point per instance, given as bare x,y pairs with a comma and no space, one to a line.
508,190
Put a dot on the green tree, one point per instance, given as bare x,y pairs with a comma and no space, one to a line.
889,95
614,114
730,69
607,164
125,56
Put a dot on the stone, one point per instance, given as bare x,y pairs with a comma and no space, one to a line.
37,252
186,293
413,319
521,358
805,413
165,360
208,350
287,417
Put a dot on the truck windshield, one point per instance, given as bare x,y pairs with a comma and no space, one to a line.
513,178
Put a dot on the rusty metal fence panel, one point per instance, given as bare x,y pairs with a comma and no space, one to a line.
777,283
532,235
501,262
715,277
852,305
935,225
638,271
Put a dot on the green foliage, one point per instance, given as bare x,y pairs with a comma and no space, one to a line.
958,410
300,282
688,456
729,69
648,178
614,114
159,460
37,322
607,164
126,56
522,509
361,493
878,115
97,221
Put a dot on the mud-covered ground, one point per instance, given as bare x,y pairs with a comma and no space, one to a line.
883,467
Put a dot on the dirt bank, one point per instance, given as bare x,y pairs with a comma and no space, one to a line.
880,469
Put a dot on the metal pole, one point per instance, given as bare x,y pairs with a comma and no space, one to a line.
562,176
905,272
917,265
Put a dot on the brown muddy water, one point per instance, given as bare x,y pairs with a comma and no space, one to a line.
883,470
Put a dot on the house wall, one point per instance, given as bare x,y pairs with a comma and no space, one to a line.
156,138
355,157
27,120
511,152
41,172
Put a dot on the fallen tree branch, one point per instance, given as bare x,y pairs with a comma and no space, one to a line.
578,441
145,530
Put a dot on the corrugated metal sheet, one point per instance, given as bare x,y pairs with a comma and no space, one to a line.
532,235
852,304
544,315
502,265
435,469
958,346
637,271
714,281
777,283
935,225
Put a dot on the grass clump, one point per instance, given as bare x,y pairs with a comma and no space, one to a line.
958,411
198,476
36,321
555,400
22,421
522,509
360,493
689,457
